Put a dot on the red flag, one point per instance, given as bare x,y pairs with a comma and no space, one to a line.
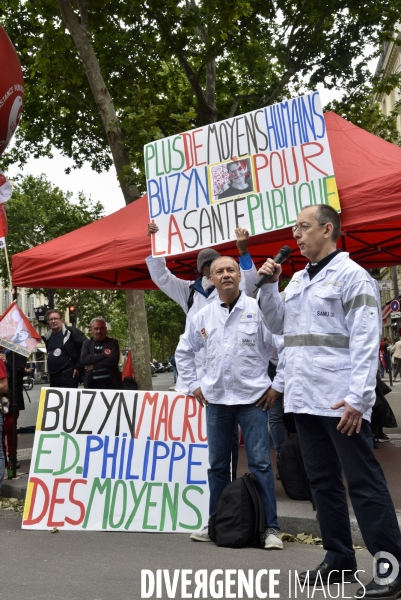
3,221
128,370
16,332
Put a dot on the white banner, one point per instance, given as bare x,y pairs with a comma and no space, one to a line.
256,170
118,461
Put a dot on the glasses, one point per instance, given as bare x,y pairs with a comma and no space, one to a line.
55,319
303,227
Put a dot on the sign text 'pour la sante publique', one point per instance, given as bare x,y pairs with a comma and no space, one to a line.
257,170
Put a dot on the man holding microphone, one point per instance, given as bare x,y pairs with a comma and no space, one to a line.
330,321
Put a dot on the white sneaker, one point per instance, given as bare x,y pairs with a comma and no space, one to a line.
202,535
273,540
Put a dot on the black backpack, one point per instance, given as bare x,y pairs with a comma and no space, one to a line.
240,517
291,469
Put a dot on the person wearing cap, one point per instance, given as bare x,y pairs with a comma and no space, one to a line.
234,334
194,295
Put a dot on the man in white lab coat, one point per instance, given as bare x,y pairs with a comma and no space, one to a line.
330,322
194,295
237,345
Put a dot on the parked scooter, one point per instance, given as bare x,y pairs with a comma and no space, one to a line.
159,367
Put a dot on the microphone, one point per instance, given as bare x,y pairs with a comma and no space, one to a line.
282,255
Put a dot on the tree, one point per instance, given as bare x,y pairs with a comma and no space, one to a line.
360,107
38,212
166,322
163,67
105,77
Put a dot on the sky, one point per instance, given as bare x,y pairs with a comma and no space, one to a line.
103,187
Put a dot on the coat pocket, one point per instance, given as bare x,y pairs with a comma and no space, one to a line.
331,378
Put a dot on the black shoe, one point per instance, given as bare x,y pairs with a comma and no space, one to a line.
380,592
328,574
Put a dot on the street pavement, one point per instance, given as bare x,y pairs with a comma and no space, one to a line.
107,566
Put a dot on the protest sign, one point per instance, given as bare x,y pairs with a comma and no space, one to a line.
257,171
118,461
16,332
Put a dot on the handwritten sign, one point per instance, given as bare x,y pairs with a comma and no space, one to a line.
118,460
257,171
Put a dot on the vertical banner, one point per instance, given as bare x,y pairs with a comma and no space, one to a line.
257,170
118,461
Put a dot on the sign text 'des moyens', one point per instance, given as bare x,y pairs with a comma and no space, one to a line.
257,171
118,460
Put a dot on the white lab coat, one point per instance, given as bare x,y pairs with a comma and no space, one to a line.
238,346
331,338
179,290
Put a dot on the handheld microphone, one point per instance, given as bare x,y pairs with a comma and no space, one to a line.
282,255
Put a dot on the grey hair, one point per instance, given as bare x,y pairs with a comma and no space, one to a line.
97,319
327,214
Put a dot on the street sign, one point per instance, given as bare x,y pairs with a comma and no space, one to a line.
395,315
395,306
385,285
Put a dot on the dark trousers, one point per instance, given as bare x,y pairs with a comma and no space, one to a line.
64,379
326,453
8,448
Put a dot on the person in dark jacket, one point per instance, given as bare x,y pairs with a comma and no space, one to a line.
100,357
7,440
63,345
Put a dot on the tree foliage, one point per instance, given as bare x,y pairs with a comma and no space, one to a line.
360,105
38,212
172,66
166,322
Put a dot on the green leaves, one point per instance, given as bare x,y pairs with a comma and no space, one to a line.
154,58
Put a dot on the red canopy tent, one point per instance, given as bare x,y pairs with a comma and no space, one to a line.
110,253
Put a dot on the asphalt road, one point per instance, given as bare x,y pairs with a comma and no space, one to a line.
39,565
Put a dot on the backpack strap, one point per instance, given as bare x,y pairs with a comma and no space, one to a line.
191,298
259,530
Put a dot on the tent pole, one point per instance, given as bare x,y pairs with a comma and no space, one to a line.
14,402
7,262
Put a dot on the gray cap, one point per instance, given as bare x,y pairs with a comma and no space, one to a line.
207,255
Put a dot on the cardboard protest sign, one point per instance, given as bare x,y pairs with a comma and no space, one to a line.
256,170
118,460
16,332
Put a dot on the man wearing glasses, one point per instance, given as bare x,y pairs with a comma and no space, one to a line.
331,324
63,345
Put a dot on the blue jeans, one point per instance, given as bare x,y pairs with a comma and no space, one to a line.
2,459
220,420
326,453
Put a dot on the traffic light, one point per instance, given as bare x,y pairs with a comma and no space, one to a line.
72,313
